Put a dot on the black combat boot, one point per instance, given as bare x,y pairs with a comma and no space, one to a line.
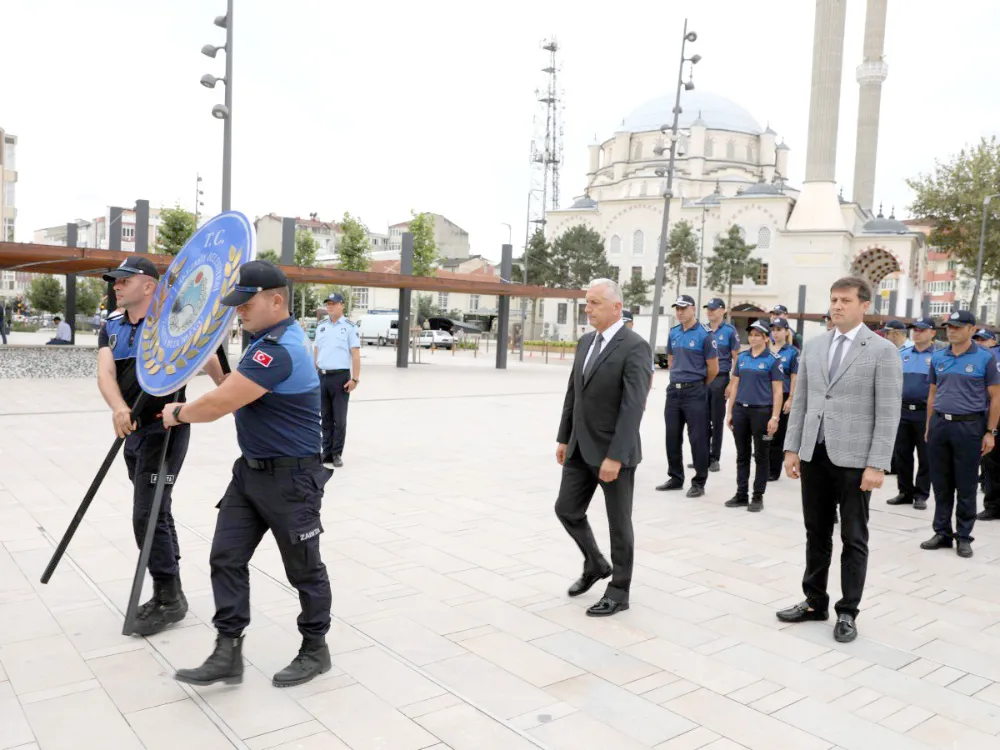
313,660
168,605
224,665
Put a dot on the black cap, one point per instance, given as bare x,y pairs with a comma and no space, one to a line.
335,297
924,324
779,323
760,325
685,300
255,276
627,316
780,310
894,325
960,318
715,303
134,265
985,334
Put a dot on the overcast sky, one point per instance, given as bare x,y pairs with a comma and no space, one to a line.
380,107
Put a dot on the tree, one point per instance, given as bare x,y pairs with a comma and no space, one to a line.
952,199
46,294
426,308
636,293
682,249
539,261
355,249
176,228
90,292
577,258
731,263
269,255
425,252
306,297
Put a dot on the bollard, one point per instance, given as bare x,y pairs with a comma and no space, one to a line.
546,351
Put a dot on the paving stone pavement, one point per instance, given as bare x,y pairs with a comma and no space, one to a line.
452,628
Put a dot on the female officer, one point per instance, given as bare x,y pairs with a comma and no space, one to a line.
753,414
784,349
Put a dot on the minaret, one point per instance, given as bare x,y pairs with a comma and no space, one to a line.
817,207
870,74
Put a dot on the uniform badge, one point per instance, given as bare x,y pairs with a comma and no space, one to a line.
112,340
954,316
760,366
928,361
262,359
906,358
941,367
714,345
691,343
969,368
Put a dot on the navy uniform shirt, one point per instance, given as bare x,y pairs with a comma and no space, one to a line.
285,421
962,381
727,341
916,369
122,336
334,342
756,375
691,349
788,355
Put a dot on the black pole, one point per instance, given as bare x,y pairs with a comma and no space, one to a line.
147,542
405,297
893,299
288,255
800,323
142,226
503,307
71,241
909,307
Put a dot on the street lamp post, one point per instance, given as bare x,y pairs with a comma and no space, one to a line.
224,112
982,245
668,194
701,257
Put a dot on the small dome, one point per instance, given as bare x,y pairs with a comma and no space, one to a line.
882,225
782,146
585,202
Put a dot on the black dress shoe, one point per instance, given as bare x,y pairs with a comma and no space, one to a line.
606,607
714,466
670,484
845,630
695,491
900,499
737,502
757,504
988,515
774,477
690,466
938,541
920,503
584,583
337,462
801,613
964,548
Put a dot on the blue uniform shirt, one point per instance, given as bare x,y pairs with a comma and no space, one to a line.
727,341
916,368
690,349
788,355
756,375
962,381
285,421
334,342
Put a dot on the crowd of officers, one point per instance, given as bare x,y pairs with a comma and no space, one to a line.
949,414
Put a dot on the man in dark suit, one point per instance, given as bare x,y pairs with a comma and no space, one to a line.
598,442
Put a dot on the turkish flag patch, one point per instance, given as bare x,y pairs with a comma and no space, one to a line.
262,359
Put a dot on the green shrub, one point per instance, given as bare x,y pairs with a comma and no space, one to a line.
552,344
20,327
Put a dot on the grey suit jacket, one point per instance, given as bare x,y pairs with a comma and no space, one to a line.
601,414
859,410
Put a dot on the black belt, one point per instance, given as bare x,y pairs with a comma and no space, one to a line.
914,406
680,386
755,406
332,372
269,464
960,417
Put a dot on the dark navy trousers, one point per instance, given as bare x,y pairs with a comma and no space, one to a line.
910,438
687,406
717,414
953,448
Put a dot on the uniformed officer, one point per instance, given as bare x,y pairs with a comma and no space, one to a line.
780,311
986,339
118,345
694,363
337,356
895,331
964,383
913,420
727,342
788,356
754,415
989,470
277,482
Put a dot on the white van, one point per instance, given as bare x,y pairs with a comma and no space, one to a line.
373,328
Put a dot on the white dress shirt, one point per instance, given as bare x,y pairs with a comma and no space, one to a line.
63,332
608,334
847,344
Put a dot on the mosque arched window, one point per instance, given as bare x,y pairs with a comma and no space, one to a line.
709,148
637,151
742,233
637,244
731,150
616,245
763,238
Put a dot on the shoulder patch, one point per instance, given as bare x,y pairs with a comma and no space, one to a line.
262,358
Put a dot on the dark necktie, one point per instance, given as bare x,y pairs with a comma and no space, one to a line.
592,362
835,364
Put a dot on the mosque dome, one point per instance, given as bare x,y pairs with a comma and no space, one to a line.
882,225
584,202
711,110
762,188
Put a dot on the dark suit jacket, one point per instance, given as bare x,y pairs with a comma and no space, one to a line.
602,415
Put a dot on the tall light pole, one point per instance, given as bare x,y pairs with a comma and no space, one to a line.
701,258
668,194
982,245
224,112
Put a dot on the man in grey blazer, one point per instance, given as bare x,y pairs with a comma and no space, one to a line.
840,437
598,442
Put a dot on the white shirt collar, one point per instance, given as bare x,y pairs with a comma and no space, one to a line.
850,335
611,330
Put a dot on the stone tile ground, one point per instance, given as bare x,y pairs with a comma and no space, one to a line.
452,626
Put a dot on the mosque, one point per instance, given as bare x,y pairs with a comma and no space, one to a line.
731,171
